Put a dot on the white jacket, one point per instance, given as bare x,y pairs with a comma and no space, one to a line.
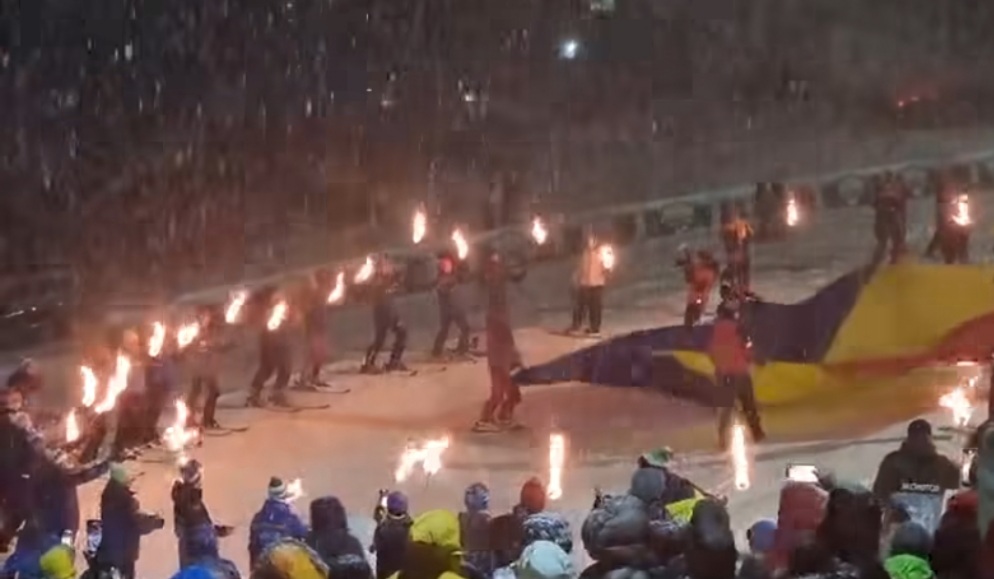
590,272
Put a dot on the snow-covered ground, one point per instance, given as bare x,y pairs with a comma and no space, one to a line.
351,449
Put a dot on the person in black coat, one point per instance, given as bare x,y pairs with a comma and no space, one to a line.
274,351
123,525
390,536
191,520
334,543
451,309
386,319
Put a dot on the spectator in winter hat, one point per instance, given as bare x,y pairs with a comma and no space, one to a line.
550,527
761,537
543,560
334,543
390,536
474,528
275,521
909,551
532,498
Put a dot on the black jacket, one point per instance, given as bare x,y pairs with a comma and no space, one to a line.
390,544
915,462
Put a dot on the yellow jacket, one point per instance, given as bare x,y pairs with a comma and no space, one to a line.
434,546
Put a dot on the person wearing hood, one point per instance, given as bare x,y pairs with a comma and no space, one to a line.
331,540
474,528
123,524
700,271
23,455
216,569
543,560
386,319
451,307
433,549
289,559
956,545
56,494
852,527
274,521
909,553
730,350
390,536
275,357
916,462
761,537
801,510
191,519
710,551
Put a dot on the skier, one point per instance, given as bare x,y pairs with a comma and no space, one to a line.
385,319
953,227
132,403
162,383
451,306
700,270
274,351
204,357
730,352
24,456
123,524
736,234
502,354
275,521
588,286
316,328
916,462
192,521
890,208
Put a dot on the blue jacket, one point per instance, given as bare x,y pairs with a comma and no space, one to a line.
274,522
25,561
123,526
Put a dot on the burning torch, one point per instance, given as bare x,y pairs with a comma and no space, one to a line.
961,211
428,455
539,232
557,457
462,246
793,212
607,257
234,307
419,226
740,458
366,271
337,293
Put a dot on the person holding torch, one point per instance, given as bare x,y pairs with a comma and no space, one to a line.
451,307
274,349
502,354
730,350
589,279
386,319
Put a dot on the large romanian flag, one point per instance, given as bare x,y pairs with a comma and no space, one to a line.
863,327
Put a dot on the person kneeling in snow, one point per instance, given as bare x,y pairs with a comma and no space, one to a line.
275,521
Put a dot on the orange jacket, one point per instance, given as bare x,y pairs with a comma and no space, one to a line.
728,348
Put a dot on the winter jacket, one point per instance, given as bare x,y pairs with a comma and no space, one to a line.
274,522
956,544
546,526
192,524
447,290
213,569
728,348
852,526
737,236
801,510
25,561
591,272
617,533
434,548
543,560
474,530
58,562
22,447
331,540
289,559
908,567
390,544
123,525
57,498
700,274
985,478
204,353
918,462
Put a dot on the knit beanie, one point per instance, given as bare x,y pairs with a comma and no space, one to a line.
397,504
761,536
277,489
477,497
533,495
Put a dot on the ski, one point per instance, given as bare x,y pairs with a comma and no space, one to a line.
322,389
224,431
295,408
575,335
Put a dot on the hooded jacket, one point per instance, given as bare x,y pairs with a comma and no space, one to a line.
917,461
289,559
390,543
956,545
728,348
543,560
852,526
274,522
801,510
123,525
331,540
434,548
22,446
908,567
57,497
25,561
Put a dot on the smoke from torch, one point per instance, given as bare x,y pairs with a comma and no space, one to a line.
366,271
793,213
117,384
157,339
740,458
89,386
557,456
338,292
72,427
607,258
186,334
428,455
277,317
539,232
462,246
419,226
234,307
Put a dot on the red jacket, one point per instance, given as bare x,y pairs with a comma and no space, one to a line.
728,348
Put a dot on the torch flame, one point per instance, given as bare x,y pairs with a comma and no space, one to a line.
962,215
277,317
178,436
186,334
234,307
366,271
607,257
740,458
539,232
157,339
294,489
428,455
89,386
72,427
462,246
419,226
338,292
959,404
117,384
793,213
557,456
